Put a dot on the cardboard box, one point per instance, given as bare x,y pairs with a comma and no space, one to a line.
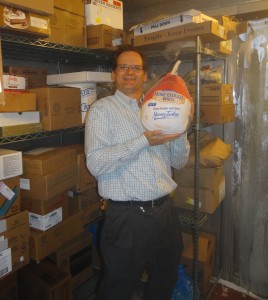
78,77
108,12
206,255
59,107
208,31
213,93
28,23
15,118
10,163
85,180
18,102
223,47
217,114
44,243
15,130
44,187
18,241
190,16
209,198
208,177
74,6
10,200
67,28
41,207
45,160
14,233
41,7
92,212
15,221
85,198
75,257
104,37
15,83
36,77
45,279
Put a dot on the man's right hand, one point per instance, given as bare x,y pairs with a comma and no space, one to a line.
156,137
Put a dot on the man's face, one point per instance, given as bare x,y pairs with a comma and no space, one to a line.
127,79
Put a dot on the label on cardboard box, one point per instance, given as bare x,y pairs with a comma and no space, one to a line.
6,191
47,221
5,262
10,163
189,16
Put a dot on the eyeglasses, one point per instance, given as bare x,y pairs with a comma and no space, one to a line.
125,68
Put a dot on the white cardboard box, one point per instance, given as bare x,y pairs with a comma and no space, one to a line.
78,77
10,163
14,118
190,16
108,12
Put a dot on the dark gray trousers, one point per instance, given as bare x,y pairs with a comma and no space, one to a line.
134,239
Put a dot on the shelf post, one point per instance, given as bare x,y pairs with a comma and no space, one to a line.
196,168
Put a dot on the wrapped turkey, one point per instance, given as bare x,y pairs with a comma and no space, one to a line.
167,105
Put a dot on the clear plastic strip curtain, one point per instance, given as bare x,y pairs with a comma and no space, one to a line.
250,175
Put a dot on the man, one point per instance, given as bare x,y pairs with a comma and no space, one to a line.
133,169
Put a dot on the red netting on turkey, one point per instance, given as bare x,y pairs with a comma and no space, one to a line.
166,106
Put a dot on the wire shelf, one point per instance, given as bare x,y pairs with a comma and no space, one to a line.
189,218
39,135
31,49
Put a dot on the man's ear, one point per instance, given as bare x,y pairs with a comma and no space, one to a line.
113,76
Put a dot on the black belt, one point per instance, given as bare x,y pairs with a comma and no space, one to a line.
151,203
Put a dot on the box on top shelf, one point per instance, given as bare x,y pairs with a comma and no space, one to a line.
23,22
18,102
15,83
40,7
208,31
74,6
104,37
109,12
67,29
10,163
161,23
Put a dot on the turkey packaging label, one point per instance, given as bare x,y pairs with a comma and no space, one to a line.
167,105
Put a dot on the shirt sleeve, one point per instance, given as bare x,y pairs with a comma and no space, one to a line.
180,149
102,156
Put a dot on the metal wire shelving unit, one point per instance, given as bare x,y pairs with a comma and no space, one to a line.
25,48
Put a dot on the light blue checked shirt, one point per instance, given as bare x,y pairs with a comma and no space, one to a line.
120,157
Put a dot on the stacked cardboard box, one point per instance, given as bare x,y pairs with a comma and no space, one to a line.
84,196
206,254
216,101
47,174
75,257
44,279
59,107
211,188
